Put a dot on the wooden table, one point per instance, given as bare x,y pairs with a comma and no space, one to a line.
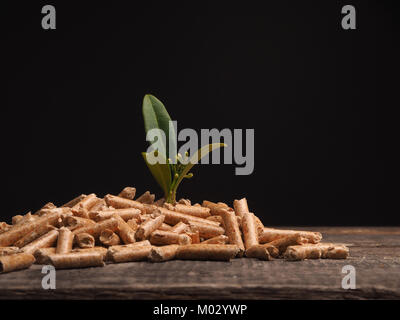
375,254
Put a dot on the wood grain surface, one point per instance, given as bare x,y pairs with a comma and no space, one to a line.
375,254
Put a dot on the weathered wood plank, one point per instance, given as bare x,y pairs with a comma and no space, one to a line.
375,255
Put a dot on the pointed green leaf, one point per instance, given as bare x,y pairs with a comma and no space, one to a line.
160,171
156,117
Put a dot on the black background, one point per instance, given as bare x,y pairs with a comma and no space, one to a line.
316,95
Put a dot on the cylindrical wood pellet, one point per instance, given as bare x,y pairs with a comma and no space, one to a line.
16,261
65,241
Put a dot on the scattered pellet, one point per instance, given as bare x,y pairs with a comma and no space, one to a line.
72,222
125,232
159,237
109,238
49,239
222,239
206,231
180,227
270,234
301,252
4,227
259,225
290,240
16,261
128,193
215,208
80,259
125,214
129,253
165,227
4,251
42,255
74,201
160,202
232,230
84,240
262,252
147,227
241,207
216,218
17,232
64,241
101,250
82,208
186,202
95,229
249,230
146,197
133,224
33,235
333,251
200,212
194,235
165,253
122,203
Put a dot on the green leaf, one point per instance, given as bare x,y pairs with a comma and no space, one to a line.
156,117
203,151
160,171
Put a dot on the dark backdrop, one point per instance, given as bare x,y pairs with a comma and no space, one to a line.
313,92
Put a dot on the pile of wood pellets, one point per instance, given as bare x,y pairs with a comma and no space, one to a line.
89,231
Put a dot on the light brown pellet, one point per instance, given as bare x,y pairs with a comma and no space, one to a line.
301,252
232,230
249,230
109,238
42,255
147,227
122,203
173,217
133,224
159,237
128,193
49,239
4,251
270,234
129,253
215,208
165,227
180,227
33,235
262,252
333,251
82,259
18,231
84,240
146,197
165,253
125,232
74,201
200,212
206,231
125,214
291,240
222,239
95,229
64,241
16,261
73,223
240,207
